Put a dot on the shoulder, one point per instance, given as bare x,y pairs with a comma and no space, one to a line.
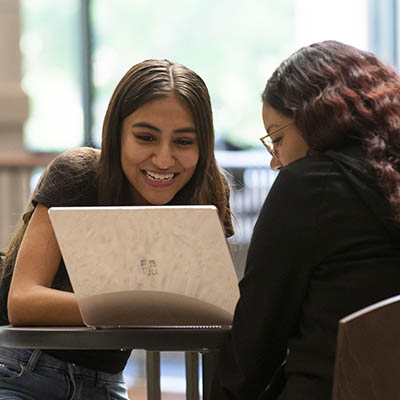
79,158
310,165
72,165
307,172
299,190
69,179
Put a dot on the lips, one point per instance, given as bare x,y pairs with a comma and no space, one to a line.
157,177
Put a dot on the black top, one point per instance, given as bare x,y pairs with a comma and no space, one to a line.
323,247
70,181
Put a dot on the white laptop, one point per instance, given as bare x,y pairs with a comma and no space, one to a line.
147,266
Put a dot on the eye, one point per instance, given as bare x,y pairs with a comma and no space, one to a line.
277,141
184,141
145,137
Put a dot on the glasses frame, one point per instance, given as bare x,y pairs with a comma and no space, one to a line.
267,146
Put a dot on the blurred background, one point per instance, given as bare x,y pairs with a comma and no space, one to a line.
60,61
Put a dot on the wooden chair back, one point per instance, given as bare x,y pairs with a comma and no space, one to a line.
367,365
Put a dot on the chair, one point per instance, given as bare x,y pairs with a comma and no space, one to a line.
367,365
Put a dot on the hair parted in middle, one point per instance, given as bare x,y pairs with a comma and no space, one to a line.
338,94
144,82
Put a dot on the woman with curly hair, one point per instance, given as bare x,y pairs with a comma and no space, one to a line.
327,241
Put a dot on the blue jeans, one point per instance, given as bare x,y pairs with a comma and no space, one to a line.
34,375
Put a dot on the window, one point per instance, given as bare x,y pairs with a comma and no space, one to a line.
49,43
233,45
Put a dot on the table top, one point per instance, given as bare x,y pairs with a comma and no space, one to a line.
153,338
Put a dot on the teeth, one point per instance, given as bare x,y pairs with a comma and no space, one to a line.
159,177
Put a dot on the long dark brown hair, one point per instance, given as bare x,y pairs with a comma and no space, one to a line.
144,82
336,94
78,162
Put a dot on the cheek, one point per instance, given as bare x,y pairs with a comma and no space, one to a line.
294,150
190,159
125,151
302,147
126,166
131,153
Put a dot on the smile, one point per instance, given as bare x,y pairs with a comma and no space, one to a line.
154,176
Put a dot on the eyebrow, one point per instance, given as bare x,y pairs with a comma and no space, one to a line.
272,126
188,129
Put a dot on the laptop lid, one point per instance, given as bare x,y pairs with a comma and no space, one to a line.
151,265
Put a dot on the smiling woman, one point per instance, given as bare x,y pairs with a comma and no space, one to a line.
159,151
158,148
166,108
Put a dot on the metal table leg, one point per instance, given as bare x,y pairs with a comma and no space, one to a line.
192,375
153,375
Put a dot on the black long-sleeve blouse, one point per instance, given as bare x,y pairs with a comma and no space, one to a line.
324,246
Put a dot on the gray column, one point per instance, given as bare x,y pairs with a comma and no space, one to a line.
14,180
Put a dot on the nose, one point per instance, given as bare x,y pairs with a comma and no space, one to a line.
163,157
275,164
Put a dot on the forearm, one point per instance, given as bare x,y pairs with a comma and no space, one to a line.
42,306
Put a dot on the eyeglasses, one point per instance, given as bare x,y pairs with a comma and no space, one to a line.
269,143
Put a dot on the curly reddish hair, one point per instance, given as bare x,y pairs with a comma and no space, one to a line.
339,94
